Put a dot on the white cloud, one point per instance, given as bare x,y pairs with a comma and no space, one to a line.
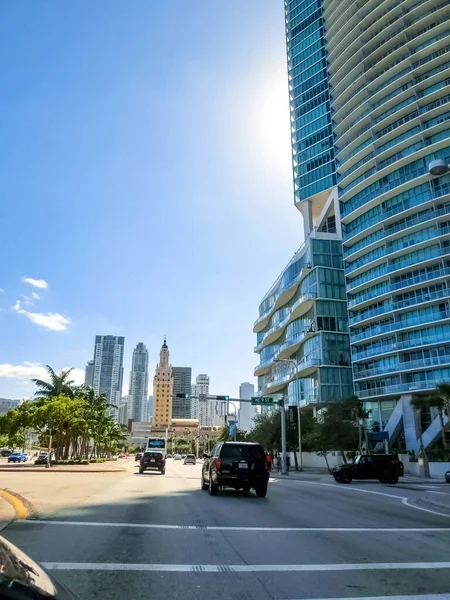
27,300
51,321
2,291
39,283
26,371
35,296
29,370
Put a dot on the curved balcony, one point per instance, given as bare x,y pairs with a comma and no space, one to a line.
294,343
264,366
299,308
400,367
282,295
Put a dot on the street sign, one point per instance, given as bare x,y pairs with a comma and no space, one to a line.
262,401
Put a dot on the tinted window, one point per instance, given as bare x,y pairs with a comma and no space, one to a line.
242,452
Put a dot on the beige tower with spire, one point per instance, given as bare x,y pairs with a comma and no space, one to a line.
162,390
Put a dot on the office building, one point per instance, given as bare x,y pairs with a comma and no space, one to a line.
89,374
181,407
138,386
108,369
123,414
149,408
162,391
389,74
247,412
6,404
201,408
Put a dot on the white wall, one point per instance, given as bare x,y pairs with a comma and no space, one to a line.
310,459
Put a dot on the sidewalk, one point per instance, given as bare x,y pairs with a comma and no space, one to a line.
326,476
7,513
106,467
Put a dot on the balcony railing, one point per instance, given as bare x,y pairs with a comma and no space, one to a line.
414,386
391,306
398,325
402,366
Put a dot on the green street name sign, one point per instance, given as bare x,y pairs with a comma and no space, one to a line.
262,401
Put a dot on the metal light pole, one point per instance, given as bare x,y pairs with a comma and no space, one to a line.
299,421
283,437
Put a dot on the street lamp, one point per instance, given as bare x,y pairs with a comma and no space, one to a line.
438,167
299,422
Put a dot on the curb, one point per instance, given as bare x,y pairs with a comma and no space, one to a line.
18,504
56,470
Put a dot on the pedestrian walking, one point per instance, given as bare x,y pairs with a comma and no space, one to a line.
269,460
288,462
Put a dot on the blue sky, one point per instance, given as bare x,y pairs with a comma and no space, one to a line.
146,181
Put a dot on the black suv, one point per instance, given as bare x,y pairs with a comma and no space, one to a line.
387,468
153,459
238,465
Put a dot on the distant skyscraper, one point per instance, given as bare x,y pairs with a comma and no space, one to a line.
108,368
149,408
89,374
123,411
162,390
247,412
181,407
6,404
138,388
201,410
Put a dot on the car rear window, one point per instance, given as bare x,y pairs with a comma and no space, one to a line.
242,452
153,454
190,456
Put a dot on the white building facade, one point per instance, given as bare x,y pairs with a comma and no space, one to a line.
247,412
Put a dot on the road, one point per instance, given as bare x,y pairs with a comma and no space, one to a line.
160,537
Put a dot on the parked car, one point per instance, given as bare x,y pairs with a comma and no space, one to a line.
447,477
17,457
138,456
238,465
177,457
190,459
6,453
387,468
153,460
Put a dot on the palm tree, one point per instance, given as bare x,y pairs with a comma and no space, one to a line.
59,384
440,399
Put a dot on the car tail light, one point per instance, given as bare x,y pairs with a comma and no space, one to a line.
218,463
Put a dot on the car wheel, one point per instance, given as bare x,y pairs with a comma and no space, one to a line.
163,472
261,491
393,480
345,479
246,488
141,471
382,480
213,487
204,484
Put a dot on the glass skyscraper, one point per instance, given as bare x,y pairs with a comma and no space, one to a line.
370,110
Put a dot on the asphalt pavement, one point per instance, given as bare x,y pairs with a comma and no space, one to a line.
161,537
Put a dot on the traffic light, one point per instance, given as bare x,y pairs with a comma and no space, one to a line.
182,396
222,397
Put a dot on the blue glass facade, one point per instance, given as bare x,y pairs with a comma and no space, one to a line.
309,94
389,71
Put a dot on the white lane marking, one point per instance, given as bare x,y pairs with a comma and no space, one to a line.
238,528
413,597
434,492
73,566
434,512
350,488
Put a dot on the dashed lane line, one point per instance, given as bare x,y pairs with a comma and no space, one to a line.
173,568
244,529
411,597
